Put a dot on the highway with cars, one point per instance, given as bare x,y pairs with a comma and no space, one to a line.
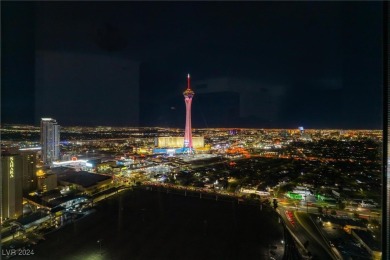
306,235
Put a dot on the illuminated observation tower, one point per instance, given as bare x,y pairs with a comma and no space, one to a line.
188,95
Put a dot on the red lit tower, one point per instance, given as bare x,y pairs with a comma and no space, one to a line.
188,95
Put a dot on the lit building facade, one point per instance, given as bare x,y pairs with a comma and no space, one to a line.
176,142
50,140
11,187
46,181
188,95
29,178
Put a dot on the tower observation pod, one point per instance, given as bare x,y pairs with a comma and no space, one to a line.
188,95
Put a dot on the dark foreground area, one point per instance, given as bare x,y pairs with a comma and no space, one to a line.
151,225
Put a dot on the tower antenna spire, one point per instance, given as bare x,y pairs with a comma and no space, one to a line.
188,81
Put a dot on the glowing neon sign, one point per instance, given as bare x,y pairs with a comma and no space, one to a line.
11,167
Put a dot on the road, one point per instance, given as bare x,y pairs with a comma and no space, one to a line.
313,208
303,231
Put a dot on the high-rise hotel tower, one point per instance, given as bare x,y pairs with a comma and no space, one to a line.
50,140
11,197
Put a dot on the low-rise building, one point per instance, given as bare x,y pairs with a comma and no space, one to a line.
47,181
85,182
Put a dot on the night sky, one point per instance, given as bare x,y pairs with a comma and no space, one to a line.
253,64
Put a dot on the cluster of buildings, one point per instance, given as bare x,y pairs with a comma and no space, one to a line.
53,172
19,175
28,169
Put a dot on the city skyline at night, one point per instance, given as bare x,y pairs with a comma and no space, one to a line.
282,177
277,151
